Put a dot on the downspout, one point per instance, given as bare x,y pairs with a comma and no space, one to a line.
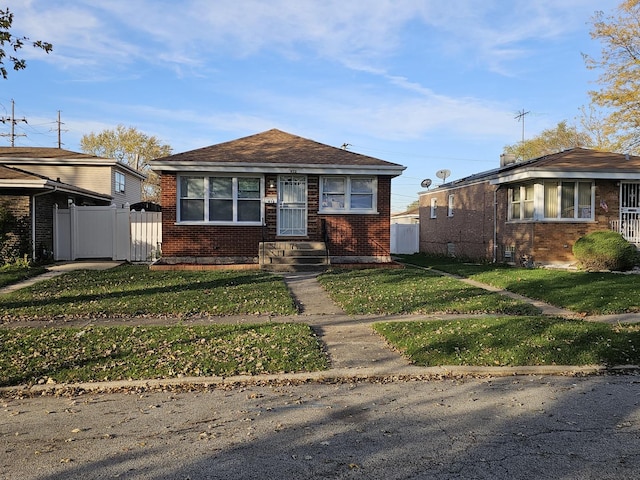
33,219
495,224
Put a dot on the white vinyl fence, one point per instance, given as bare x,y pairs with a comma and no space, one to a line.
405,238
106,232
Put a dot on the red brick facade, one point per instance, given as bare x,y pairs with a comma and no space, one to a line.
349,237
472,233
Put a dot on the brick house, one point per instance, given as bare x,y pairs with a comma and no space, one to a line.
224,203
534,209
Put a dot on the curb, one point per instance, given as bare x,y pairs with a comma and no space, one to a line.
372,375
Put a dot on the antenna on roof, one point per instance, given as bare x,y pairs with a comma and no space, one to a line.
520,116
426,183
345,146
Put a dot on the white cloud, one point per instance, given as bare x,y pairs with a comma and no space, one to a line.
350,32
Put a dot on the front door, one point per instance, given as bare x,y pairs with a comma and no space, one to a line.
630,211
292,205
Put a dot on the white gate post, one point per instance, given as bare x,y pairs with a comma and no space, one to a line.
73,231
114,232
56,226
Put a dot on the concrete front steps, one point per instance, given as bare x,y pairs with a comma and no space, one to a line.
293,256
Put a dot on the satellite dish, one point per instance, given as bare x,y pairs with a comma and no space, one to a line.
426,183
443,174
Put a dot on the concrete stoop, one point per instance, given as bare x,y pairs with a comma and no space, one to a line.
293,256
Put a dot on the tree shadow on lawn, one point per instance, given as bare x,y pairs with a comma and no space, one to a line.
163,355
419,291
583,292
30,298
526,341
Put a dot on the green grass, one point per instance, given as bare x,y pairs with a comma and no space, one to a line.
29,356
582,292
411,290
514,341
10,274
136,291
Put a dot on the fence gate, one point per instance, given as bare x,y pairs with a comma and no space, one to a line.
405,238
146,235
106,232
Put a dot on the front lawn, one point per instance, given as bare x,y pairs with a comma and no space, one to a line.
583,292
12,273
29,356
136,291
514,341
412,290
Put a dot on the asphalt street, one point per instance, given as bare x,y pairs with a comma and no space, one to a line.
493,428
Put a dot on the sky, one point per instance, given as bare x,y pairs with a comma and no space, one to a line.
428,84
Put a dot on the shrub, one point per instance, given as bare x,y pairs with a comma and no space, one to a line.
605,250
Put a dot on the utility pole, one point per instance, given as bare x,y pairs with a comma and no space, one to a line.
59,131
519,117
12,120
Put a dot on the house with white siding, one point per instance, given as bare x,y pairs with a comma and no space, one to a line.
33,180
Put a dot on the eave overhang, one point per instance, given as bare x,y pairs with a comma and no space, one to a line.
279,168
534,174
44,184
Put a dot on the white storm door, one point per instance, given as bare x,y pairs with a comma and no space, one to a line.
630,211
292,205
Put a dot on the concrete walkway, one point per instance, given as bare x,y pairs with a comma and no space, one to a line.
59,269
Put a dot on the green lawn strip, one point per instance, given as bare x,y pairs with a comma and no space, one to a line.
32,355
10,274
584,292
591,293
514,341
136,291
400,291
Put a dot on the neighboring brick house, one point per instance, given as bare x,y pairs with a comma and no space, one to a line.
30,198
534,209
221,203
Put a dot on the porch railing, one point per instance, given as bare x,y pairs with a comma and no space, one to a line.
629,229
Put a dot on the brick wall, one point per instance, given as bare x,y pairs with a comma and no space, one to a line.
469,233
350,235
362,235
552,242
18,237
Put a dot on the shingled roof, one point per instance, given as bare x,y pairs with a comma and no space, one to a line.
574,162
43,152
272,148
24,156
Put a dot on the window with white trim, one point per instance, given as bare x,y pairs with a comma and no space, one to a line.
521,202
434,208
551,200
348,194
119,182
450,205
568,200
224,200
